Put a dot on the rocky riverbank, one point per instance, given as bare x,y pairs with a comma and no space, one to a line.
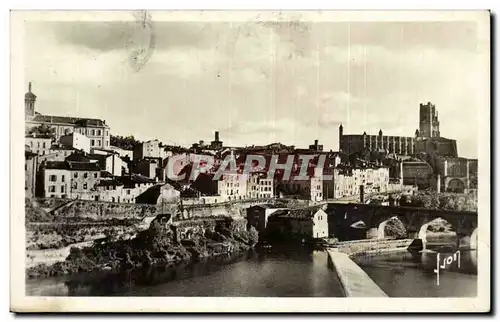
161,244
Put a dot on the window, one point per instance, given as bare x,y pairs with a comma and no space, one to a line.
53,178
44,145
62,178
52,188
98,132
128,192
93,132
75,175
85,175
98,142
107,143
85,186
31,143
95,175
106,132
62,189
92,142
25,167
38,144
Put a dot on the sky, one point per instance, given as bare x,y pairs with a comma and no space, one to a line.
259,82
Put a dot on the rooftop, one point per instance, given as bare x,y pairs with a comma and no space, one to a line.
299,213
83,122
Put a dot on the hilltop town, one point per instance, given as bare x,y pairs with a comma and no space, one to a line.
80,158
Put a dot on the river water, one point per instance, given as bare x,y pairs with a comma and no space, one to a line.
279,272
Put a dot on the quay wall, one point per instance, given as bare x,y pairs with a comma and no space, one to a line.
353,280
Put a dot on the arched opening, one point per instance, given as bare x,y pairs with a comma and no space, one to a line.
437,233
456,186
393,228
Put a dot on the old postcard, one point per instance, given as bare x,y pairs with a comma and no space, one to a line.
239,161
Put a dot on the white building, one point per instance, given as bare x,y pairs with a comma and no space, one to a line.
122,152
316,185
259,186
76,141
233,186
148,149
74,180
38,144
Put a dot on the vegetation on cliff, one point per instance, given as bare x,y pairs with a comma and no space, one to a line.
446,201
159,245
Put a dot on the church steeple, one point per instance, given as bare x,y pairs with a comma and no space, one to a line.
29,103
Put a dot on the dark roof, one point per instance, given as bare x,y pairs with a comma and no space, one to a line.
112,182
77,157
106,174
137,178
89,166
69,120
75,166
299,213
38,136
150,196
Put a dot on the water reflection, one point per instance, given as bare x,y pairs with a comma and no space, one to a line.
280,272
406,274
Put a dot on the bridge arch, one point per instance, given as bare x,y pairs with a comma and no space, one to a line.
455,185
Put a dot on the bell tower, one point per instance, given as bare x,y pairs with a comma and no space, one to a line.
29,104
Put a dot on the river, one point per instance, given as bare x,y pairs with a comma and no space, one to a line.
405,274
276,272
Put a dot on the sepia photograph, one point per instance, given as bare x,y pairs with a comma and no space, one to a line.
293,161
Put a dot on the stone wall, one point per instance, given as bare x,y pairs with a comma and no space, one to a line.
95,209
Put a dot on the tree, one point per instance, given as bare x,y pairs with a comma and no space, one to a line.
42,130
253,235
124,142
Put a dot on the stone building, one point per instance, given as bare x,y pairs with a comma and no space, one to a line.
359,143
148,149
96,130
259,186
310,222
39,144
76,141
30,173
233,186
74,180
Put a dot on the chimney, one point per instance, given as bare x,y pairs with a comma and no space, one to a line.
315,142
216,135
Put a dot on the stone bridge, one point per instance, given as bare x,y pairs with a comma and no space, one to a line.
415,220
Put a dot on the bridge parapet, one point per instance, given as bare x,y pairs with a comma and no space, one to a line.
415,220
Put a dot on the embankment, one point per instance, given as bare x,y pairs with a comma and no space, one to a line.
354,281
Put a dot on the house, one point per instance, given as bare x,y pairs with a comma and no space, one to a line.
96,130
309,222
160,195
148,149
39,144
122,152
76,141
257,216
68,179
259,186
30,173
233,186
111,163
146,168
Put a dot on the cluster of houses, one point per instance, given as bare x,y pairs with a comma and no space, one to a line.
72,157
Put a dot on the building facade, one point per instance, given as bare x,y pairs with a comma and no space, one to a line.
233,186
38,144
30,173
74,180
310,222
148,149
96,130
76,141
